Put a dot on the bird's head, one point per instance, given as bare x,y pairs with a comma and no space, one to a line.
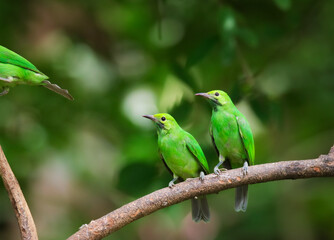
163,121
216,98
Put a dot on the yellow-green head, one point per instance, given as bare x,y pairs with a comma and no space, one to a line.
163,121
216,97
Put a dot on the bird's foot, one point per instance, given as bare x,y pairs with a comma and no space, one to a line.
218,170
172,183
8,80
5,90
201,176
245,168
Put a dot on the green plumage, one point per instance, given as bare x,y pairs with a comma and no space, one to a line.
15,70
9,57
183,157
232,137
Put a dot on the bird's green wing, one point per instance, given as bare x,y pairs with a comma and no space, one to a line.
163,160
9,57
196,150
213,141
247,137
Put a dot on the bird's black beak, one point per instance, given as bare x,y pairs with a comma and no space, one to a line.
203,95
211,98
151,117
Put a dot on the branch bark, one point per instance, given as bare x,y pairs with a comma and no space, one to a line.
115,220
22,212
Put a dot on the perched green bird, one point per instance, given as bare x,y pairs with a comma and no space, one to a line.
233,139
183,157
15,70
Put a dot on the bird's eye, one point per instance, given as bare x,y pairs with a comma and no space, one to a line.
217,94
163,119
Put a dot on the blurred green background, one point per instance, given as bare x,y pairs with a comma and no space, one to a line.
77,161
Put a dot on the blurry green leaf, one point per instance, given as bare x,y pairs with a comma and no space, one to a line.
227,22
276,112
182,111
135,178
171,32
283,4
174,91
141,148
137,102
183,74
236,93
228,51
227,29
201,51
268,110
261,106
248,37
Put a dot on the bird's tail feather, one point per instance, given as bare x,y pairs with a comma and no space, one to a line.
57,89
200,209
241,198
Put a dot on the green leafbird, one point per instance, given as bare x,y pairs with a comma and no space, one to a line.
183,157
15,70
233,139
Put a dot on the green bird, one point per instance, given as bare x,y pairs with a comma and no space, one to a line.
15,70
232,138
183,157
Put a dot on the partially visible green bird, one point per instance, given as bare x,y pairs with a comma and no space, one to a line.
233,139
183,157
15,70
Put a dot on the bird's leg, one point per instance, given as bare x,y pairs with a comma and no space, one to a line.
216,170
201,176
245,168
6,79
172,183
5,90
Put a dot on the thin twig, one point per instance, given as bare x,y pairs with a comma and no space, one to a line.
100,228
22,212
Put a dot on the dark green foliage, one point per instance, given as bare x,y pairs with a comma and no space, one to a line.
134,178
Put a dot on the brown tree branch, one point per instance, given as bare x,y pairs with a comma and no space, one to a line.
113,221
22,212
